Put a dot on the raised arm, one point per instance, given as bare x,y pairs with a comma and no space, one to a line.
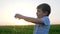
30,19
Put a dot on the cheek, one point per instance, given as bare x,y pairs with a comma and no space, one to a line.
39,13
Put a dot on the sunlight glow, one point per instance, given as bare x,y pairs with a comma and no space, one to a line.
8,9
24,9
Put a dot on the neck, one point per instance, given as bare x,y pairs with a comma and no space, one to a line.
40,16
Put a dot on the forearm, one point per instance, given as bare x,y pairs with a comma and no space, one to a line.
33,20
29,19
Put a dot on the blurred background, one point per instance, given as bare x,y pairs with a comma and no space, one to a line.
8,9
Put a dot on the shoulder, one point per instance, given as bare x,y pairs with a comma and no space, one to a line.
45,20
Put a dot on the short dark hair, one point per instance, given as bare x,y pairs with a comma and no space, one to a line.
44,7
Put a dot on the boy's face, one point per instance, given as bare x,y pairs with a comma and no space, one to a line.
39,13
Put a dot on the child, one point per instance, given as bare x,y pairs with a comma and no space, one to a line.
42,21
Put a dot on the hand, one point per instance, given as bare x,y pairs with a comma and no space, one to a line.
18,16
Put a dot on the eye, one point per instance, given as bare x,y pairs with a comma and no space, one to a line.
39,11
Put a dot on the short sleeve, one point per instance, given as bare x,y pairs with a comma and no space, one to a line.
45,20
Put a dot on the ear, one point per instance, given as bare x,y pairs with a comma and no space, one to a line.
46,13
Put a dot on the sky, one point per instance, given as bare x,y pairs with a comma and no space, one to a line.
8,9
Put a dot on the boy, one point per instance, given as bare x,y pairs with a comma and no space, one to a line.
42,21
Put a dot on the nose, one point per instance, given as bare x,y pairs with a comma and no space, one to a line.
36,13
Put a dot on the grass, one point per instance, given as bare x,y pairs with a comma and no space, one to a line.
54,29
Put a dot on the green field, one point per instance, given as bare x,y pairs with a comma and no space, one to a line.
54,29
